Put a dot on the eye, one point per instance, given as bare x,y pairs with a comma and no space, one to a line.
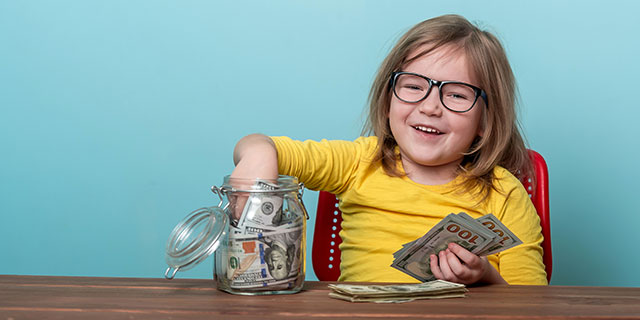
457,96
410,82
458,92
410,86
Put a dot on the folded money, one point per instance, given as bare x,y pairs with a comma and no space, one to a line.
269,210
264,260
264,248
483,236
397,293
262,209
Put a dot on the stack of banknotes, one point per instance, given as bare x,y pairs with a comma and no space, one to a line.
483,236
395,293
265,244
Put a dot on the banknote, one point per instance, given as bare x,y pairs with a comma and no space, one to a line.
477,225
483,236
287,216
395,293
265,246
470,223
414,260
251,229
399,299
262,209
264,260
506,239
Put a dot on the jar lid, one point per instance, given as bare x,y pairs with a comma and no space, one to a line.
194,239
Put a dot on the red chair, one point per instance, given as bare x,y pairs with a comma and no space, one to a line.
325,253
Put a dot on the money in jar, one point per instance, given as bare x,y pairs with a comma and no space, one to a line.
257,234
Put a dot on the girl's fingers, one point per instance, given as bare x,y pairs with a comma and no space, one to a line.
455,265
435,268
444,267
463,254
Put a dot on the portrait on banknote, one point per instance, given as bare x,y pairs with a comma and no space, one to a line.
282,255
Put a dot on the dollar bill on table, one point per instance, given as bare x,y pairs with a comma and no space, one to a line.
265,260
483,236
397,293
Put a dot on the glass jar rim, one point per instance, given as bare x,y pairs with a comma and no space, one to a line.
280,178
285,184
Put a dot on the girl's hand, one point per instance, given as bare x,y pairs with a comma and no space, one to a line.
457,264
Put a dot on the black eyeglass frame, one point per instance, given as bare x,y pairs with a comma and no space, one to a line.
479,92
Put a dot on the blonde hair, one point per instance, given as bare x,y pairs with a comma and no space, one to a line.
501,142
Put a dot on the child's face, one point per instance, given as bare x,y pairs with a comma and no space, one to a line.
427,157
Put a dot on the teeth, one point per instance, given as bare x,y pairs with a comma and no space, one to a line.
428,130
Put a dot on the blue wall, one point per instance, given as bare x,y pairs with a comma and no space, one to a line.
117,116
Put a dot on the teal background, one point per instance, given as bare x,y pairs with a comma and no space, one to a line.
117,116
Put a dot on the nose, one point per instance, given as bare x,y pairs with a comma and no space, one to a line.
432,104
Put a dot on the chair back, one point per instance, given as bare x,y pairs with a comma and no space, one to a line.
325,253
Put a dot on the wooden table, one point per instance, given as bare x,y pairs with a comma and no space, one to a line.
34,297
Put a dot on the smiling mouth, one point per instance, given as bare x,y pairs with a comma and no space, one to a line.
427,130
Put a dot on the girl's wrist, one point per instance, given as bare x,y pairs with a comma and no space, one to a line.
491,275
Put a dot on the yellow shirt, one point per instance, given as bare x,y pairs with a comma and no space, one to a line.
381,213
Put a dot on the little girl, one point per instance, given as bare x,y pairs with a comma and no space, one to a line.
445,139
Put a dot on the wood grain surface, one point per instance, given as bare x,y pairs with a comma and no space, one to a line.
38,297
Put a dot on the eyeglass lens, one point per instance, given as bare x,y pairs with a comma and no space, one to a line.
455,96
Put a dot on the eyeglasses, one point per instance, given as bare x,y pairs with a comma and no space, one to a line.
454,95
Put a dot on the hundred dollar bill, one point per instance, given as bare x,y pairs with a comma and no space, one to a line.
396,293
264,260
238,231
250,229
262,209
415,260
405,247
336,295
505,240
469,225
290,215
477,225
436,286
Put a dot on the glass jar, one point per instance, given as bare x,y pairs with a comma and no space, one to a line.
257,232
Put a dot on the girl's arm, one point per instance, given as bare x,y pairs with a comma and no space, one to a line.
255,156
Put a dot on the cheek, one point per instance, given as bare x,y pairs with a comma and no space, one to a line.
397,113
475,122
469,128
395,120
391,116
